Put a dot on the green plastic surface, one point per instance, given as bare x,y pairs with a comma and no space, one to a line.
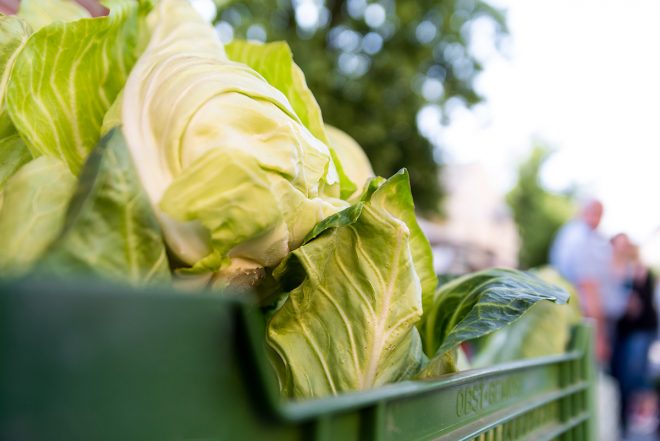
89,362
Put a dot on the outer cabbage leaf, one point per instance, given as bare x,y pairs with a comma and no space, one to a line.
350,322
351,214
275,62
543,330
33,212
250,214
14,32
40,13
110,229
241,206
477,304
186,104
402,208
112,117
354,161
67,76
13,154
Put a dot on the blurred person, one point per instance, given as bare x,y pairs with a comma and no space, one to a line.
583,256
635,332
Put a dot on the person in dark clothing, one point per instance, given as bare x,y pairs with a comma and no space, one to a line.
635,332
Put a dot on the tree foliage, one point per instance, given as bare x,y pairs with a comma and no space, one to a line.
373,65
538,212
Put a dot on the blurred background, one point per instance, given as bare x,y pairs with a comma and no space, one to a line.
507,113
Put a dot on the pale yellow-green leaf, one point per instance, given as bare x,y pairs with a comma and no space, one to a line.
112,117
250,213
14,32
275,62
354,161
66,77
33,212
40,13
13,154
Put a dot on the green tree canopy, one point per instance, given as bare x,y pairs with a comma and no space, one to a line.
538,212
372,65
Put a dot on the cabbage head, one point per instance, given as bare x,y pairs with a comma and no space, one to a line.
233,172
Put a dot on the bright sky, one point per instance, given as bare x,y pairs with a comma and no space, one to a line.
584,76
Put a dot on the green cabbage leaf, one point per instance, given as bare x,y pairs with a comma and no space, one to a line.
14,32
476,305
274,61
354,161
110,230
67,75
543,330
33,212
349,322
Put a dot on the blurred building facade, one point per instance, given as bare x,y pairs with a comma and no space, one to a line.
479,230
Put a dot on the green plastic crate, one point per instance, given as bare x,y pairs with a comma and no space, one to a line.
93,363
